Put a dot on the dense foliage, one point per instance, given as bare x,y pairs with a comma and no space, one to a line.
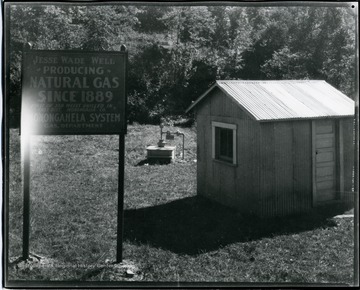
177,52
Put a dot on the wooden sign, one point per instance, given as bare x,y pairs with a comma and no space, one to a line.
73,92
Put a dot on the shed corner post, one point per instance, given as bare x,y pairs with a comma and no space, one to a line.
313,162
341,159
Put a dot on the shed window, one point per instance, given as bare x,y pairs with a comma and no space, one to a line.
224,142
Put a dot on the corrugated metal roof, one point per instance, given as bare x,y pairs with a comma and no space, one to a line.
286,99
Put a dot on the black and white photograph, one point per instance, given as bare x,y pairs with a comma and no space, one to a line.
180,144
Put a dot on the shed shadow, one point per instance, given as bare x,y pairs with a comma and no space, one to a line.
194,225
153,162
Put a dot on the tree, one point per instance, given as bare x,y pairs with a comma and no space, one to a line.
190,31
46,27
177,52
108,27
319,45
148,84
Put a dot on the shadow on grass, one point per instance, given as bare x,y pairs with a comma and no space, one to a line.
154,162
193,225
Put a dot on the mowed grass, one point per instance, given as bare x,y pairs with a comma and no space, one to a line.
170,234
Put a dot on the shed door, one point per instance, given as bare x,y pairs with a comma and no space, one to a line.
324,158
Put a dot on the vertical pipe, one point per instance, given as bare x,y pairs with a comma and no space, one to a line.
183,157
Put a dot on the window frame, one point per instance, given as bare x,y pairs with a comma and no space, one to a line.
215,155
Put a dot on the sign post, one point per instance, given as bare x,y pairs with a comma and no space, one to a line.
120,217
26,146
73,93
26,190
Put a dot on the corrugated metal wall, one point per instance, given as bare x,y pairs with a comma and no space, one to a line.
286,172
235,186
348,159
273,175
288,99
302,162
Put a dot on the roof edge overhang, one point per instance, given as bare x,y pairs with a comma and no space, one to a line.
305,119
217,85
199,99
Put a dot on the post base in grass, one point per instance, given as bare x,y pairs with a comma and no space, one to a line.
34,260
124,271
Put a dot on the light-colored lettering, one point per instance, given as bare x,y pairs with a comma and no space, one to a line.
57,96
102,60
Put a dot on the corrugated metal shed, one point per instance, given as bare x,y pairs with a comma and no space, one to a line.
286,99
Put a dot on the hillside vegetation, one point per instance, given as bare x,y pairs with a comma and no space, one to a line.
177,52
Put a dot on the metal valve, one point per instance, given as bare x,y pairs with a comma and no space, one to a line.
170,136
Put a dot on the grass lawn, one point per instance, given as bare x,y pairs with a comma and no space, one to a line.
170,234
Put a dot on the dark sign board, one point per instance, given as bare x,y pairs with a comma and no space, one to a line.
73,92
